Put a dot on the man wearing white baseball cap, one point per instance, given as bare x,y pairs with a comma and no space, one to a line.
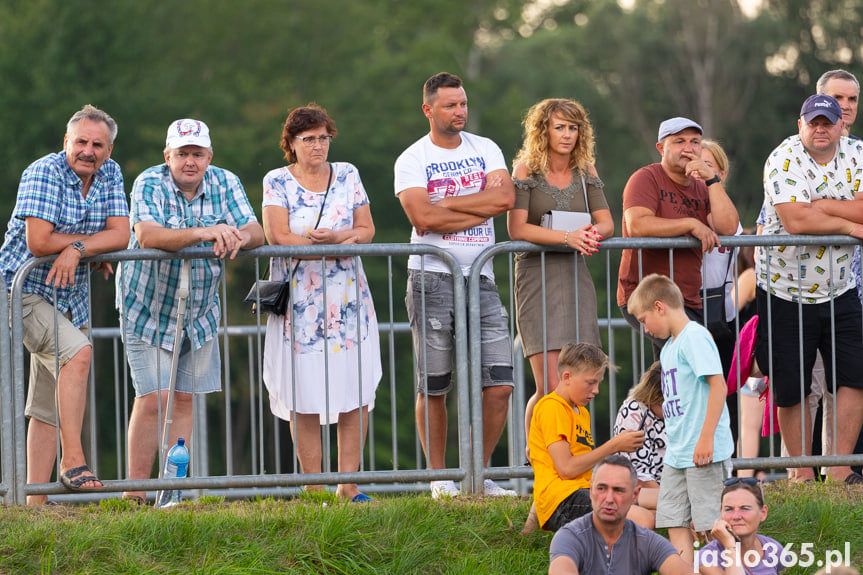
182,203
679,196
811,182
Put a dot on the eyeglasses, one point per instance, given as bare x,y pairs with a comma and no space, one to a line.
310,141
745,480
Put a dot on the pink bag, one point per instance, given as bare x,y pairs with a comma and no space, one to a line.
746,348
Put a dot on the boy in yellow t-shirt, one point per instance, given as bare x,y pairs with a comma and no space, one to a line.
561,444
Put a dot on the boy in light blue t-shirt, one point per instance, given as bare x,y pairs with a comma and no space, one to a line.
696,418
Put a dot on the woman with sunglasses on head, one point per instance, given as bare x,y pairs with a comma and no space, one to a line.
322,359
737,547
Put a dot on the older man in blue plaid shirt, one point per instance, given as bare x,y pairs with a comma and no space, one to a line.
182,203
70,204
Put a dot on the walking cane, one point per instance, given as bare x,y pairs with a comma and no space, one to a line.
182,296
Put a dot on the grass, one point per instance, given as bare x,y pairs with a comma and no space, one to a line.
320,534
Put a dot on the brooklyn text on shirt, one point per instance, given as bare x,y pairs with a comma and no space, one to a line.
454,167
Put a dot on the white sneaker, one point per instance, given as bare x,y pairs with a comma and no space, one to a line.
444,489
492,489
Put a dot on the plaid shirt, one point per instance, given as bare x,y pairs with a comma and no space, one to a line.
146,290
51,191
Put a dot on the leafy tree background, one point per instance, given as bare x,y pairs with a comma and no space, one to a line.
741,71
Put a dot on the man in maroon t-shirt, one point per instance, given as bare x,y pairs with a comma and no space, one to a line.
679,196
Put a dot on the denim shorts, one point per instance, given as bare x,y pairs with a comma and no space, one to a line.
434,338
46,353
199,370
754,386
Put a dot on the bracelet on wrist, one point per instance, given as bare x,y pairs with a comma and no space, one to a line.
565,238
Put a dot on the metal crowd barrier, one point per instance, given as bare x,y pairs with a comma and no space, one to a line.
7,445
256,443
639,353
251,456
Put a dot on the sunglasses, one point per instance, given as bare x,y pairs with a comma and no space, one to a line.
745,480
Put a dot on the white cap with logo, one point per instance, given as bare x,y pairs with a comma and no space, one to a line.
188,132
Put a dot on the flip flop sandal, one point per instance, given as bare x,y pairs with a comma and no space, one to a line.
82,475
854,479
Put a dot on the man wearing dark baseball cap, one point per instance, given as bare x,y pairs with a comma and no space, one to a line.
821,105
810,183
673,198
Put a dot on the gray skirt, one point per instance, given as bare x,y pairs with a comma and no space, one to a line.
570,309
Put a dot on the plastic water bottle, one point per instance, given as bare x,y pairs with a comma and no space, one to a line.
176,465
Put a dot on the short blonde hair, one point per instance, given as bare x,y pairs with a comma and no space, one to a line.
722,164
655,287
649,388
579,357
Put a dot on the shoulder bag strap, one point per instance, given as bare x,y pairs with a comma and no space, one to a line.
317,222
320,213
584,189
326,193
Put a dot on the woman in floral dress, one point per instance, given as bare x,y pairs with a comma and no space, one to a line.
321,359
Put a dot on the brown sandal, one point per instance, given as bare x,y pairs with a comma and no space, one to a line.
82,475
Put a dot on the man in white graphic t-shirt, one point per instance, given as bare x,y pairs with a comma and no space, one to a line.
451,185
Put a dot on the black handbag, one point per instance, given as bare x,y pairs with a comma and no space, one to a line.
713,308
713,301
276,295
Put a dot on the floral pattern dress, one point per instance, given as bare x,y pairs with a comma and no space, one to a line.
324,355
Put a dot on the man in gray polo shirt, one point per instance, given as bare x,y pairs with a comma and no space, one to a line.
605,541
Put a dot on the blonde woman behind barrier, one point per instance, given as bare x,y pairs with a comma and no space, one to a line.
554,171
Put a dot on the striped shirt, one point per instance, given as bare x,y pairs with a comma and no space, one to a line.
50,190
147,290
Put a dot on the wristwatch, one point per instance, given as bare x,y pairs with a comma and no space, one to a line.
714,180
80,247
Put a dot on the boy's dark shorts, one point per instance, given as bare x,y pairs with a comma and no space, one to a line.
845,314
571,508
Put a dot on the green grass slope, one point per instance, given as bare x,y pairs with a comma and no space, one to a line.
318,534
